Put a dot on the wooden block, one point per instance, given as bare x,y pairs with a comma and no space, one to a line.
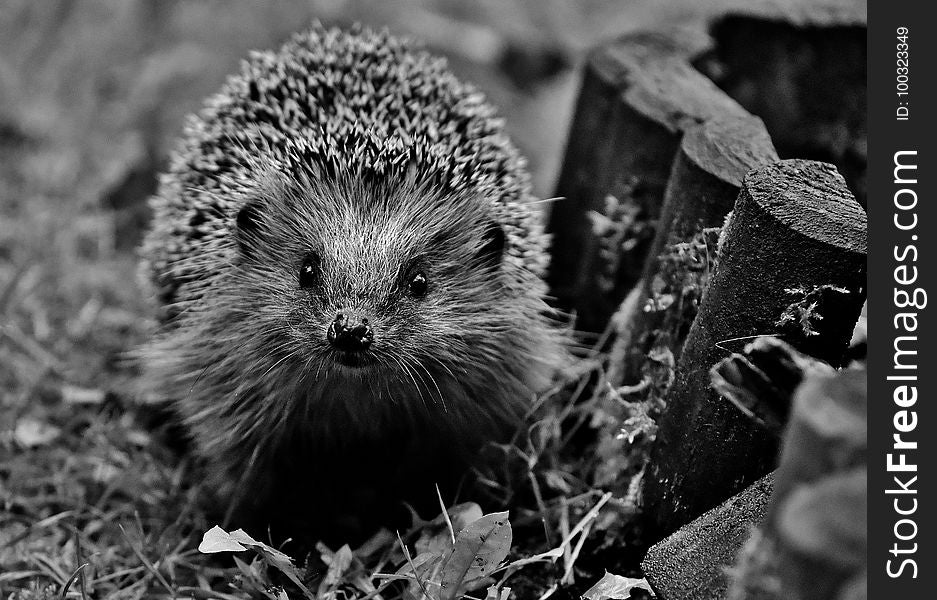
692,563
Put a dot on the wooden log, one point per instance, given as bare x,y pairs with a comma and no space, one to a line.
708,172
792,263
701,190
813,542
804,73
638,95
692,563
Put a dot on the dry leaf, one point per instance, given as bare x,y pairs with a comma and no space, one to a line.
217,539
615,587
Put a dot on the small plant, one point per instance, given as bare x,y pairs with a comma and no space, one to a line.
621,226
806,310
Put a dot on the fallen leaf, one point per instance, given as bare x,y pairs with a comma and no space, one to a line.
32,433
435,537
273,558
217,539
423,569
419,565
478,550
615,587
338,562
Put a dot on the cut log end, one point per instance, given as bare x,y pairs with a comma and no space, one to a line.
729,147
811,198
692,563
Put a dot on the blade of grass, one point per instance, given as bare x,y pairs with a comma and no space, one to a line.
445,514
149,566
71,580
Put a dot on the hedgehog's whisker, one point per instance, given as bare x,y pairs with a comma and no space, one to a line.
404,362
436,385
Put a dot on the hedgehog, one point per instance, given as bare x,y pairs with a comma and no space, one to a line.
349,272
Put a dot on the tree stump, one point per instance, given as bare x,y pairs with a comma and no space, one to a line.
638,95
703,186
813,542
791,263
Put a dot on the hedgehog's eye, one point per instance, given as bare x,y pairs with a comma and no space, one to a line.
417,284
309,271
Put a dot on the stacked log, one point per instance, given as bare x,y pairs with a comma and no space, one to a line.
639,94
704,182
791,263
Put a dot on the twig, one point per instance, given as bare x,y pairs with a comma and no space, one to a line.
568,574
538,496
564,528
552,589
416,576
376,593
555,553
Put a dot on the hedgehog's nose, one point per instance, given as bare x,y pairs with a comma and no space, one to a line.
350,335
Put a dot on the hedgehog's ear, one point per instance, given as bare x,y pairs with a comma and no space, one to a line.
247,227
493,244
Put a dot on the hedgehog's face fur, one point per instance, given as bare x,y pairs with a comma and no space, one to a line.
358,304
363,280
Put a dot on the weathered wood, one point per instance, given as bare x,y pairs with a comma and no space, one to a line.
691,564
804,73
792,262
813,542
701,190
638,95
707,175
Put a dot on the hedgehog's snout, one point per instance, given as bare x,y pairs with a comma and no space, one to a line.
350,333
